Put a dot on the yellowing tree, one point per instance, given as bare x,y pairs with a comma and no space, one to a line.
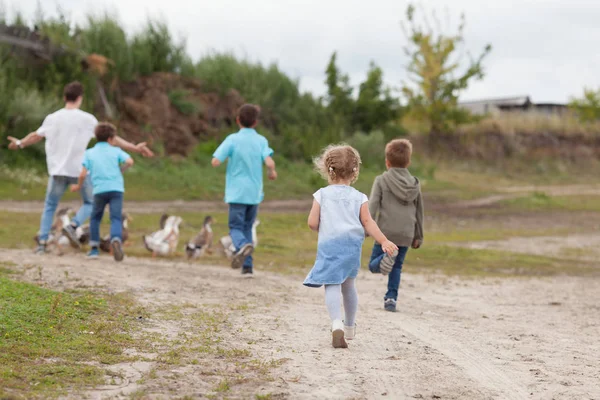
437,71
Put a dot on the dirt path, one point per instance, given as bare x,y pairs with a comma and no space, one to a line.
579,246
148,207
452,339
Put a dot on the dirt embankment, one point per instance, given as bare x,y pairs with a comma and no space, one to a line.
491,145
147,111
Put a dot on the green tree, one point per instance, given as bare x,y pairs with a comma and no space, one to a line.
375,106
339,91
437,71
587,107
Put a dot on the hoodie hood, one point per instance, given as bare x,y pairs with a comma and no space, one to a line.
402,184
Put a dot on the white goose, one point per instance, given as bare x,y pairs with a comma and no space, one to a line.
229,247
164,241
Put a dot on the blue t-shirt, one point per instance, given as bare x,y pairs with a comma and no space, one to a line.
103,163
246,151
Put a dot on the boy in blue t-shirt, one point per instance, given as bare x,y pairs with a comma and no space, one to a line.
105,163
247,151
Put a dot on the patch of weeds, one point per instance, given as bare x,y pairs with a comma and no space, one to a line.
178,99
223,386
49,338
267,396
7,268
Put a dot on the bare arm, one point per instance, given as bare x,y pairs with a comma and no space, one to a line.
314,218
140,148
271,172
215,162
28,140
127,164
373,230
82,176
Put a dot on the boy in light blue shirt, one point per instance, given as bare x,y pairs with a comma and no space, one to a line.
106,163
246,151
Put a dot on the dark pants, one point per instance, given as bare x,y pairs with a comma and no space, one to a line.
394,276
241,219
115,205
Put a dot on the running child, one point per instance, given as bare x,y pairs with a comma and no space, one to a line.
341,215
105,163
397,205
246,151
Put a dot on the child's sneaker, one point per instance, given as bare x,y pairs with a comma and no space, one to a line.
94,253
247,273
41,249
240,256
349,332
71,233
117,250
390,305
337,335
387,263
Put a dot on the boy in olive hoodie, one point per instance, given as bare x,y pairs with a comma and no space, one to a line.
397,207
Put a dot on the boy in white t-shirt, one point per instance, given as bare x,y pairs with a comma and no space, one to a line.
67,132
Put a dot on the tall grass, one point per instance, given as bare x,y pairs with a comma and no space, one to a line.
533,124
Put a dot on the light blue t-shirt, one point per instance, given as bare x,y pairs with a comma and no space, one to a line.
103,163
246,151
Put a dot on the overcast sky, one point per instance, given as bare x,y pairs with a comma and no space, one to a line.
548,49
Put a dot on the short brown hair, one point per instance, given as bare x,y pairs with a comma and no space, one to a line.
248,115
73,91
338,162
105,131
398,153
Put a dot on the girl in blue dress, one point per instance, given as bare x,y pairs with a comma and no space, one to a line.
341,215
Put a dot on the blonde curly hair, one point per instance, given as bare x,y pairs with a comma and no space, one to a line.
338,162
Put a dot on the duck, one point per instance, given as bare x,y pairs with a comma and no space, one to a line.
56,237
164,242
229,247
105,241
203,240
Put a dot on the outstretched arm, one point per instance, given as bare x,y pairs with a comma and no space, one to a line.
140,148
28,140
374,231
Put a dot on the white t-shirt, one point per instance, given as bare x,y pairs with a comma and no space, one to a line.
67,133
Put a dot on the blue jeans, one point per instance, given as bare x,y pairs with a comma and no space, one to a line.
241,219
115,205
57,186
394,276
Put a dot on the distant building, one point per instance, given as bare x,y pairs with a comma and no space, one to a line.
512,104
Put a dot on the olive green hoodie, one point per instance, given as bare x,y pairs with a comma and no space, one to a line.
397,206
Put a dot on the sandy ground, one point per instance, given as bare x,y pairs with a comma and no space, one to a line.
577,246
451,339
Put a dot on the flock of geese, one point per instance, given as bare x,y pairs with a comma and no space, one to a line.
162,242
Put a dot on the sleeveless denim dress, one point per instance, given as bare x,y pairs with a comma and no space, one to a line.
341,236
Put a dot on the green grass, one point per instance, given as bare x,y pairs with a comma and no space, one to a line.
542,202
53,342
163,179
469,262
286,245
